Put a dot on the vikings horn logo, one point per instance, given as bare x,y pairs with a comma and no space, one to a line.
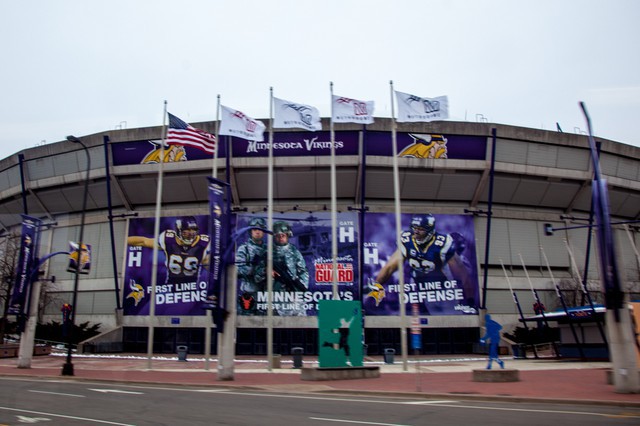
426,146
172,154
377,292
137,292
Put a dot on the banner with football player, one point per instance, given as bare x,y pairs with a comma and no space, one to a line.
183,259
438,257
302,262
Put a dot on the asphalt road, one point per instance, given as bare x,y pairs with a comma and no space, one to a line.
65,402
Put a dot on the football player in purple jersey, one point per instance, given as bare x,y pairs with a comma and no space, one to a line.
432,256
185,249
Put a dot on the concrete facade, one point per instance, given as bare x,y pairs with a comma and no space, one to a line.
540,177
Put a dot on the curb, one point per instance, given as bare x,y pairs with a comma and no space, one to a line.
301,389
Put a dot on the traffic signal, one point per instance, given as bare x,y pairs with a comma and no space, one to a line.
548,229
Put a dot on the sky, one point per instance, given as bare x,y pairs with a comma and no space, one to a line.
82,67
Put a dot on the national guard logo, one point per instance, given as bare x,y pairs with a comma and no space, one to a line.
137,292
172,154
426,146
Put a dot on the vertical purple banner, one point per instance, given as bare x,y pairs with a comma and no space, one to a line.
85,258
438,256
216,199
302,262
182,281
26,258
614,296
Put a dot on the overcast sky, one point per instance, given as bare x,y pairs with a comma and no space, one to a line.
82,67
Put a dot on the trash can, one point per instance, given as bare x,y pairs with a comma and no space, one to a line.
388,355
275,361
182,353
297,357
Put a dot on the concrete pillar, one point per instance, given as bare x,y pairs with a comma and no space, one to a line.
622,351
227,340
27,339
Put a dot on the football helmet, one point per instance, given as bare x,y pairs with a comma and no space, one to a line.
426,222
187,229
282,227
258,222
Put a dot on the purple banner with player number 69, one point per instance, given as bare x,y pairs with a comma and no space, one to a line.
182,276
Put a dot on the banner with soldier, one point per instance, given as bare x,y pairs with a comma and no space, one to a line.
302,262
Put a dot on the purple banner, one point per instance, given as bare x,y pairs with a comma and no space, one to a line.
149,152
216,214
182,281
307,144
439,263
299,144
28,254
427,145
302,262
85,258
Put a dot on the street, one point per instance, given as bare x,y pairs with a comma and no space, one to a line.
67,402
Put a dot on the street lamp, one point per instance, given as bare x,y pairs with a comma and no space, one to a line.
67,368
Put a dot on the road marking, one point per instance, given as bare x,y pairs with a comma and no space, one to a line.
25,419
66,417
448,404
116,391
57,393
355,421
532,410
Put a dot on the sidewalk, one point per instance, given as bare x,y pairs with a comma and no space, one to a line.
440,377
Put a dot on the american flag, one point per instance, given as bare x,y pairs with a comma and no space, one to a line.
181,133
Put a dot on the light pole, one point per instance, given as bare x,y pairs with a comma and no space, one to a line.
67,368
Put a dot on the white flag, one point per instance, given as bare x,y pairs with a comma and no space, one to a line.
292,115
236,123
346,110
413,108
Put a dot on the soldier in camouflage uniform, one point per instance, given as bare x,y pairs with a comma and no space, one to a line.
251,261
289,270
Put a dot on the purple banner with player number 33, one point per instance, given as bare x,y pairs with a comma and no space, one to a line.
438,257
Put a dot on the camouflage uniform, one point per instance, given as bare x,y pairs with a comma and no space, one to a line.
288,258
251,260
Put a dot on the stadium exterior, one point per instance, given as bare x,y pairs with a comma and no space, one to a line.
539,177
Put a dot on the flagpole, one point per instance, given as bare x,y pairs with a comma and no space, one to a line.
334,208
270,238
564,306
517,302
536,297
396,193
214,167
156,233
209,312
